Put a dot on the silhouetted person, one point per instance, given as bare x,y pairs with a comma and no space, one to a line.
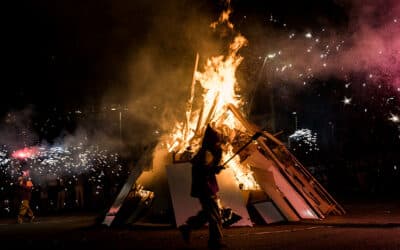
79,191
25,190
61,192
44,199
205,188
52,191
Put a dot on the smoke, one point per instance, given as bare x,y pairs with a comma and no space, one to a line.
159,68
145,51
16,129
137,56
374,39
365,41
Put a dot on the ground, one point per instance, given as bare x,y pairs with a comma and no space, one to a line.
365,226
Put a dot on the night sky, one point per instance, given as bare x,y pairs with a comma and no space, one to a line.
308,56
77,52
106,71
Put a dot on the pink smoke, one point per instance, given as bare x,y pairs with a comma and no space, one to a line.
374,44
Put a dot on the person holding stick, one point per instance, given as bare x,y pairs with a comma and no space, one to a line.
205,188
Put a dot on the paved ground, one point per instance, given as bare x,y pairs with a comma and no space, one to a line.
365,226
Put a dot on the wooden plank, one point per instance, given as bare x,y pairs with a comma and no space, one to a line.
179,182
268,212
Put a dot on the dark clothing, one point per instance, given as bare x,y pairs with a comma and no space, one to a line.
210,213
204,182
205,166
205,187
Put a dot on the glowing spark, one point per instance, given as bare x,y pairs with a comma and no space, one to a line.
389,99
308,35
394,118
305,137
346,100
272,55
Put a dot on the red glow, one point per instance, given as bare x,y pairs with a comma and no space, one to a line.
25,153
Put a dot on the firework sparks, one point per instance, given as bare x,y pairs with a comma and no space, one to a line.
60,163
346,100
305,138
394,118
25,153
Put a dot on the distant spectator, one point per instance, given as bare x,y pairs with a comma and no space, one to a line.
52,191
44,199
60,194
25,186
79,191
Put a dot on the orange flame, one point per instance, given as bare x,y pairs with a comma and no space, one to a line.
219,89
219,84
224,17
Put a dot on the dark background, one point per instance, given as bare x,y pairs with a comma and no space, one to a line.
61,57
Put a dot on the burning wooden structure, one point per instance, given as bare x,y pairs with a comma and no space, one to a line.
286,182
264,166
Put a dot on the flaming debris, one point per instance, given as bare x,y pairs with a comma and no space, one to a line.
224,17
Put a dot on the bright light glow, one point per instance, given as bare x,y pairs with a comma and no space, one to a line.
307,138
219,85
394,118
346,101
25,153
